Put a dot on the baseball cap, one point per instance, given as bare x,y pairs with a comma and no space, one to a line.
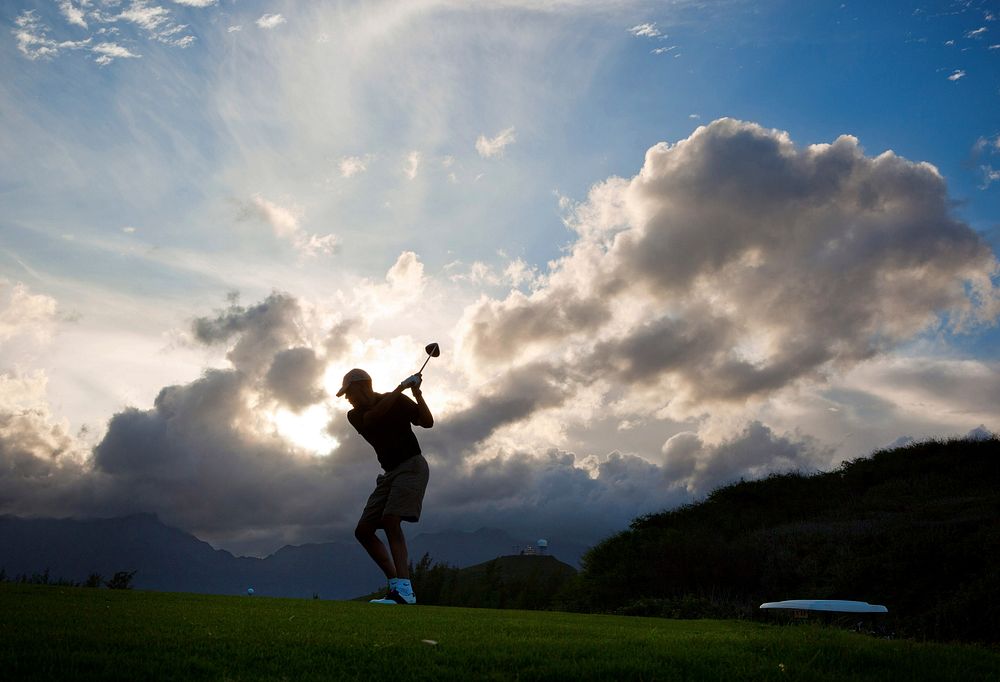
351,377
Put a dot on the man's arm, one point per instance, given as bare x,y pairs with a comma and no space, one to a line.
424,416
375,414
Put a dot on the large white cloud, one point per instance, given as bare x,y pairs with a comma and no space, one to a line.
735,264
24,313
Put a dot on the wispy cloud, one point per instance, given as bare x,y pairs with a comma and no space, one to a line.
108,52
490,147
152,21
412,164
957,75
269,21
34,42
149,17
986,144
31,39
990,175
353,165
285,221
72,13
647,30
516,273
977,33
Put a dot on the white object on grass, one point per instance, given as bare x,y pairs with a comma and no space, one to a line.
836,605
250,591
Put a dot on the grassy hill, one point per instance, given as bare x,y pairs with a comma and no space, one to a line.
916,529
507,582
62,633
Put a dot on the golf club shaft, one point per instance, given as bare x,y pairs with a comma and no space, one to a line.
424,365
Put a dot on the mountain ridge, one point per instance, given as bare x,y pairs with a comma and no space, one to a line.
170,559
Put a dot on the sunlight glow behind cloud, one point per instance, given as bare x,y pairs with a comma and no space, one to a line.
306,430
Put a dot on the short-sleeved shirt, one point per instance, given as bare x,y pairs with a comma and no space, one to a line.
392,437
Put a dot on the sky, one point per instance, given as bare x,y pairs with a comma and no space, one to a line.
663,246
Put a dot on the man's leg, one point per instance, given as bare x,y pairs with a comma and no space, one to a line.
397,545
365,533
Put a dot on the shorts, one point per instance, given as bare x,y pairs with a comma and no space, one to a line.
399,491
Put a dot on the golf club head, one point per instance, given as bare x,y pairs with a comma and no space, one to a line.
433,350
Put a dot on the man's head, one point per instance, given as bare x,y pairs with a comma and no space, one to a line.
357,388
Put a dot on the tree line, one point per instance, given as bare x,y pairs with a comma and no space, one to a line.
121,580
508,582
915,528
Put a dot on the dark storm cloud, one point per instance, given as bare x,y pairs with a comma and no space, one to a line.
203,457
38,470
548,494
516,396
697,351
196,460
967,385
294,377
337,341
746,264
524,321
43,467
261,330
755,452
956,394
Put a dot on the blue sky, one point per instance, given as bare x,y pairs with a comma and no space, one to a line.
478,175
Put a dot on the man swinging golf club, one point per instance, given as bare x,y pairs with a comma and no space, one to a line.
384,420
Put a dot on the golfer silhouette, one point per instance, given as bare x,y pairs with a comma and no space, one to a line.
384,420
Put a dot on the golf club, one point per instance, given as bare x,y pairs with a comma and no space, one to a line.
433,350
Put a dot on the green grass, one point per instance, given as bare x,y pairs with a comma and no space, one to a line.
66,633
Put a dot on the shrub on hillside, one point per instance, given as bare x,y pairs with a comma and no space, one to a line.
913,528
122,580
503,583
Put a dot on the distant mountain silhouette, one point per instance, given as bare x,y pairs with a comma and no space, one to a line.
171,560
467,548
